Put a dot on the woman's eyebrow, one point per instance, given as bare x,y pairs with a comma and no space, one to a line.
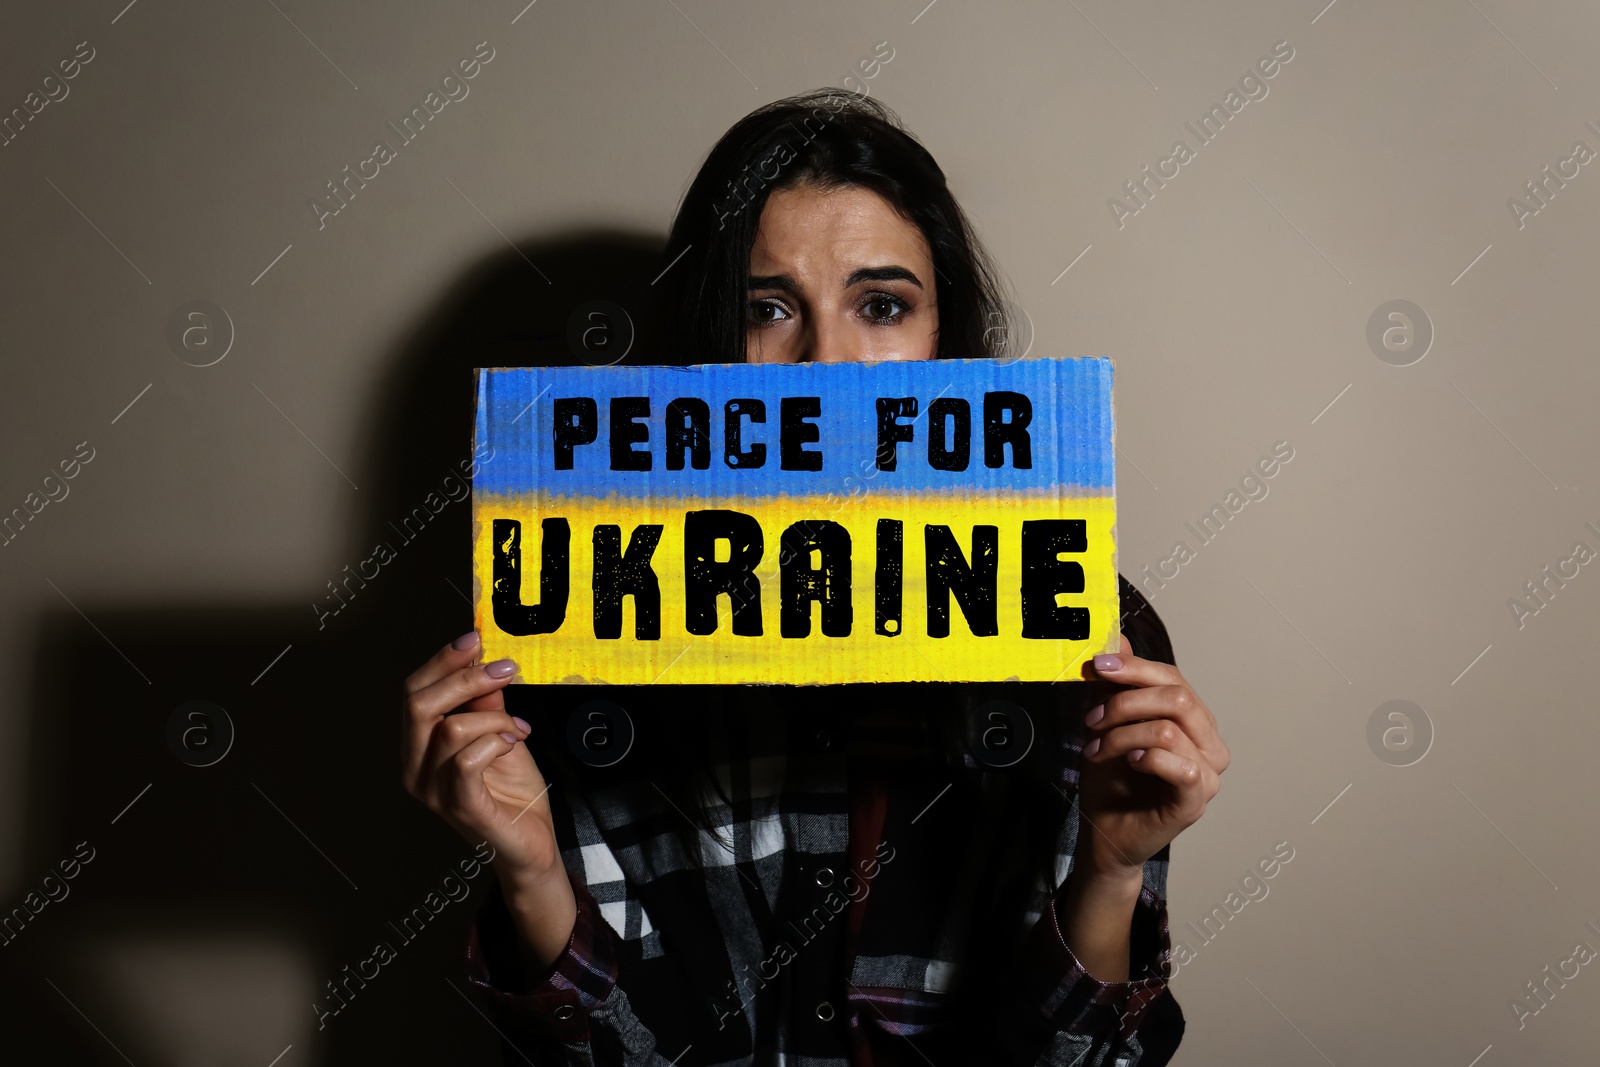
882,274
784,283
781,282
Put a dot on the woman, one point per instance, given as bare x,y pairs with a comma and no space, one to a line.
690,908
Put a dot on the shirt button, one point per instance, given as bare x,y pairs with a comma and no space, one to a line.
565,1012
825,1011
824,740
824,876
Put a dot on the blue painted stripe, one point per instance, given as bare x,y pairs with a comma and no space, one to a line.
1070,433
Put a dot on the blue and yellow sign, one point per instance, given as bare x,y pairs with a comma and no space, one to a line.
822,523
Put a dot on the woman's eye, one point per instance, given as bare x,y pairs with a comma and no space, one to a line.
883,307
766,312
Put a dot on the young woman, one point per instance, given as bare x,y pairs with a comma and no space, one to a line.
823,876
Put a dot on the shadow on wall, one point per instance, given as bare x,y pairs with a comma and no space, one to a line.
192,914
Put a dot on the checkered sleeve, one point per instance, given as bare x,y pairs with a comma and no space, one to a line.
1079,1002
558,1003
1060,1015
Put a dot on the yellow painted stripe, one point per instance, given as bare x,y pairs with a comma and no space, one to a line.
573,654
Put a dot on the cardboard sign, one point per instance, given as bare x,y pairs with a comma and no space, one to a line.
943,521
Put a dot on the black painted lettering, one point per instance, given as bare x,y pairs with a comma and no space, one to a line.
891,431
510,613
733,449
976,586
626,431
618,574
576,423
1045,574
886,584
998,432
794,431
940,413
704,578
828,583
688,427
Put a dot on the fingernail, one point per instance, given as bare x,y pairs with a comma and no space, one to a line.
1092,747
509,739
465,641
500,668
522,725
1136,755
1096,713
1104,664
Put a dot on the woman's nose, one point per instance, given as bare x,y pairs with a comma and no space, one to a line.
830,341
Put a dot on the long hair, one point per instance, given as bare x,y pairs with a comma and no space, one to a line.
834,139
831,139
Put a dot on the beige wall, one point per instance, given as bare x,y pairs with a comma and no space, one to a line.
1235,303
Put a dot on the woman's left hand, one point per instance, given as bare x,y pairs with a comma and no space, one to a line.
1150,766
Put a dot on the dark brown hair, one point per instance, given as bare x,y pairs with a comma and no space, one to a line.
832,139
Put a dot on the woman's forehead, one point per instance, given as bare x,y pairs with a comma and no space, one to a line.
809,230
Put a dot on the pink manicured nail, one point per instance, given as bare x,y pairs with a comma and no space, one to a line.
1136,755
1103,664
1092,747
465,641
500,668
508,739
1096,713
522,725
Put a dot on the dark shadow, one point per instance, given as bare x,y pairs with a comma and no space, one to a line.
300,836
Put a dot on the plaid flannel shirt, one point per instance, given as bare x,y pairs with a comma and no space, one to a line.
838,916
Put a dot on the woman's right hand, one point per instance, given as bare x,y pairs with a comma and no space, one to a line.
464,757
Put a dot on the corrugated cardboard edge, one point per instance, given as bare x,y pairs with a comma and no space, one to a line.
480,376
1113,636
